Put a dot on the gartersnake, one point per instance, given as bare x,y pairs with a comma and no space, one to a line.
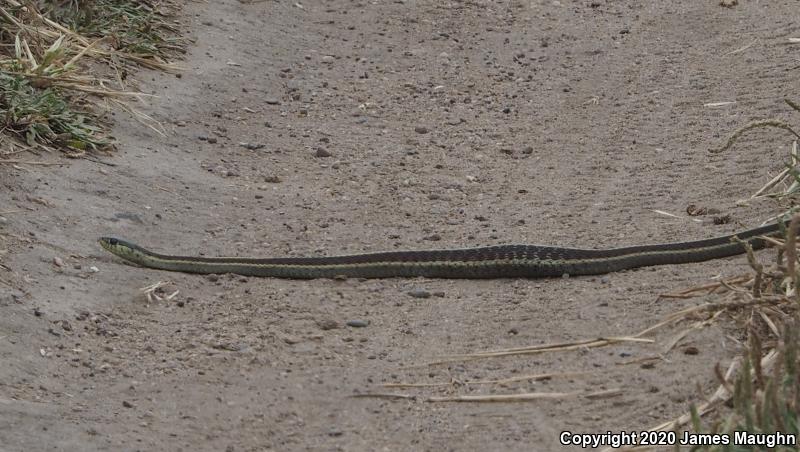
502,261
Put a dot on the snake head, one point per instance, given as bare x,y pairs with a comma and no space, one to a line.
124,249
108,243
120,247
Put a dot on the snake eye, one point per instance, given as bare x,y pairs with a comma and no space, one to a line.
113,241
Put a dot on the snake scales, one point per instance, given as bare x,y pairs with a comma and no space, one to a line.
503,261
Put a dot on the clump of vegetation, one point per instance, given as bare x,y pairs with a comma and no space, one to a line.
36,110
139,27
764,401
45,116
59,60
763,395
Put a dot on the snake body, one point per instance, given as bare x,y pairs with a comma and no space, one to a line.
502,261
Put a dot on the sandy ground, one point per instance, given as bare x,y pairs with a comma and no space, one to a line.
346,126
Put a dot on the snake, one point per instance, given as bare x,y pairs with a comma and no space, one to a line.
500,261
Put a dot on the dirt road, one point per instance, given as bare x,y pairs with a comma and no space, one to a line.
321,128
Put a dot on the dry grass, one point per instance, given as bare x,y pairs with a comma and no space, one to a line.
62,64
760,391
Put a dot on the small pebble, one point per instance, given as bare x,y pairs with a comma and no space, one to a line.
433,237
212,140
127,404
421,130
419,293
252,146
58,262
322,152
328,324
691,350
93,269
357,323
291,340
272,101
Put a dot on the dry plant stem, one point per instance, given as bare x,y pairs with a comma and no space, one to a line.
765,123
150,292
604,394
421,385
731,288
385,395
536,377
601,342
755,358
755,265
533,377
525,397
769,323
775,180
672,318
726,305
791,252
741,49
24,162
707,288
559,345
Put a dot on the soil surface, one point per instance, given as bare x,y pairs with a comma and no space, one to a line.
323,128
